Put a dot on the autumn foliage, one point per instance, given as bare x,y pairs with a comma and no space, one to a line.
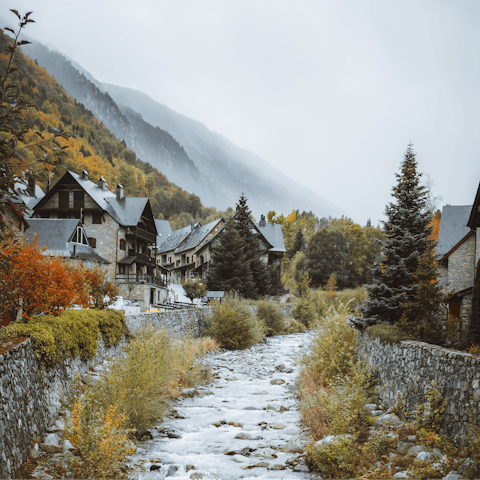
34,283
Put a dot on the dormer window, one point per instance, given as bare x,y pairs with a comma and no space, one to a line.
79,236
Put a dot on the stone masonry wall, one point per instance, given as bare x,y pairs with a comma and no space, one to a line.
461,266
406,369
477,248
30,399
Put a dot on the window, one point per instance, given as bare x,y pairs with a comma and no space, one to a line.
164,259
93,242
78,199
96,218
121,269
188,259
123,244
79,236
63,199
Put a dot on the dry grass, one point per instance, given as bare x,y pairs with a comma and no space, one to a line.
388,333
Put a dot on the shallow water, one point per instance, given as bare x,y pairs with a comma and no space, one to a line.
241,394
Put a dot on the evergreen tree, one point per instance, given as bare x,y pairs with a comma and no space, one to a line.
258,269
229,270
422,315
407,230
298,243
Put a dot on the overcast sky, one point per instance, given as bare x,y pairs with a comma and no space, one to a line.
328,91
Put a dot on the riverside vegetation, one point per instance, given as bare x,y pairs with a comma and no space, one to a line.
351,435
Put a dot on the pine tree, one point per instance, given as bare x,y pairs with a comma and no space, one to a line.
298,243
258,269
229,270
422,315
407,230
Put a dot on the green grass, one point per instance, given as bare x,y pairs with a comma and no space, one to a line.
388,333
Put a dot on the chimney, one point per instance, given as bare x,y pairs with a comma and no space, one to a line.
192,226
102,183
119,192
263,223
84,175
31,186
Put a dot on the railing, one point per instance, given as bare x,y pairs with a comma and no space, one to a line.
141,233
147,259
141,278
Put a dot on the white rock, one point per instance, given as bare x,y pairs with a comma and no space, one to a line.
388,418
67,445
371,406
376,413
59,423
333,438
52,439
403,474
452,476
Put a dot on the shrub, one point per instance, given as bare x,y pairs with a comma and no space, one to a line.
100,438
71,334
388,333
292,326
333,348
234,325
151,372
272,318
304,312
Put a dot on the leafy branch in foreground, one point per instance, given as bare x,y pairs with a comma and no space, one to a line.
13,167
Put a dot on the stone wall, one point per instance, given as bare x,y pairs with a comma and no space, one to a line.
461,266
30,399
176,322
406,369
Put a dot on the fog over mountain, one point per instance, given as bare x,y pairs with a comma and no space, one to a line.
188,153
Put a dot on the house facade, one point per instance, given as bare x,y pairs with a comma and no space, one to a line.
187,252
120,229
458,254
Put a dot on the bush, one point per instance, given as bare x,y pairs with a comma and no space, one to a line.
388,333
292,326
153,369
304,311
333,348
234,325
71,334
272,318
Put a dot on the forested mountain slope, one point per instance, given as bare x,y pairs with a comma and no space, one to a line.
91,145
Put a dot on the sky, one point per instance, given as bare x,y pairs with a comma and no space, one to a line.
330,92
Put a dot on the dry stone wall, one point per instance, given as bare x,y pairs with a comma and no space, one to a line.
30,399
406,369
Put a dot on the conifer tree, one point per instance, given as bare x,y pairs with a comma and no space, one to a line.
258,269
298,243
407,230
422,315
230,270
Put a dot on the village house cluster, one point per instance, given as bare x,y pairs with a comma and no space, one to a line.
82,220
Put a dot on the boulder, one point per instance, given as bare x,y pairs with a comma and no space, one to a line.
387,419
243,436
277,381
402,474
291,448
300,468
52,439
155,467
415,450
172,470
277,426
44,447
333,438
403,446
452,476
276,467
236,451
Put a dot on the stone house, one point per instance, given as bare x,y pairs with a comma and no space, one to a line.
187,252
458,253
120,229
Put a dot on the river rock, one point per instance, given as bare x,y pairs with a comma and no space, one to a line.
402,474
277,426
333,438
172,470
291,448
155,467
277,381
236,451
236,424
243,436
276,467
300,468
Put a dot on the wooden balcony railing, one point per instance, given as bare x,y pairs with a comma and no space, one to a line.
141,233
141,278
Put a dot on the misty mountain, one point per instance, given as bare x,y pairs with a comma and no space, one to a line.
198,160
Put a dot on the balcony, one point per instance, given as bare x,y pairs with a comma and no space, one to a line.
141,278
141,257
141,233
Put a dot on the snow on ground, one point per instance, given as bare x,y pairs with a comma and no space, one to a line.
242,393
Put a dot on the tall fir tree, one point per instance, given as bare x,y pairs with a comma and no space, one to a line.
258,269
298,243
422,316
407,229
230,270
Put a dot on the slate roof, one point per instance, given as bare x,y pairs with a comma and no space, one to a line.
164,229
175,239
197,235
28,200
474,220
215,294
55,235
126,212
453,227
273,233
